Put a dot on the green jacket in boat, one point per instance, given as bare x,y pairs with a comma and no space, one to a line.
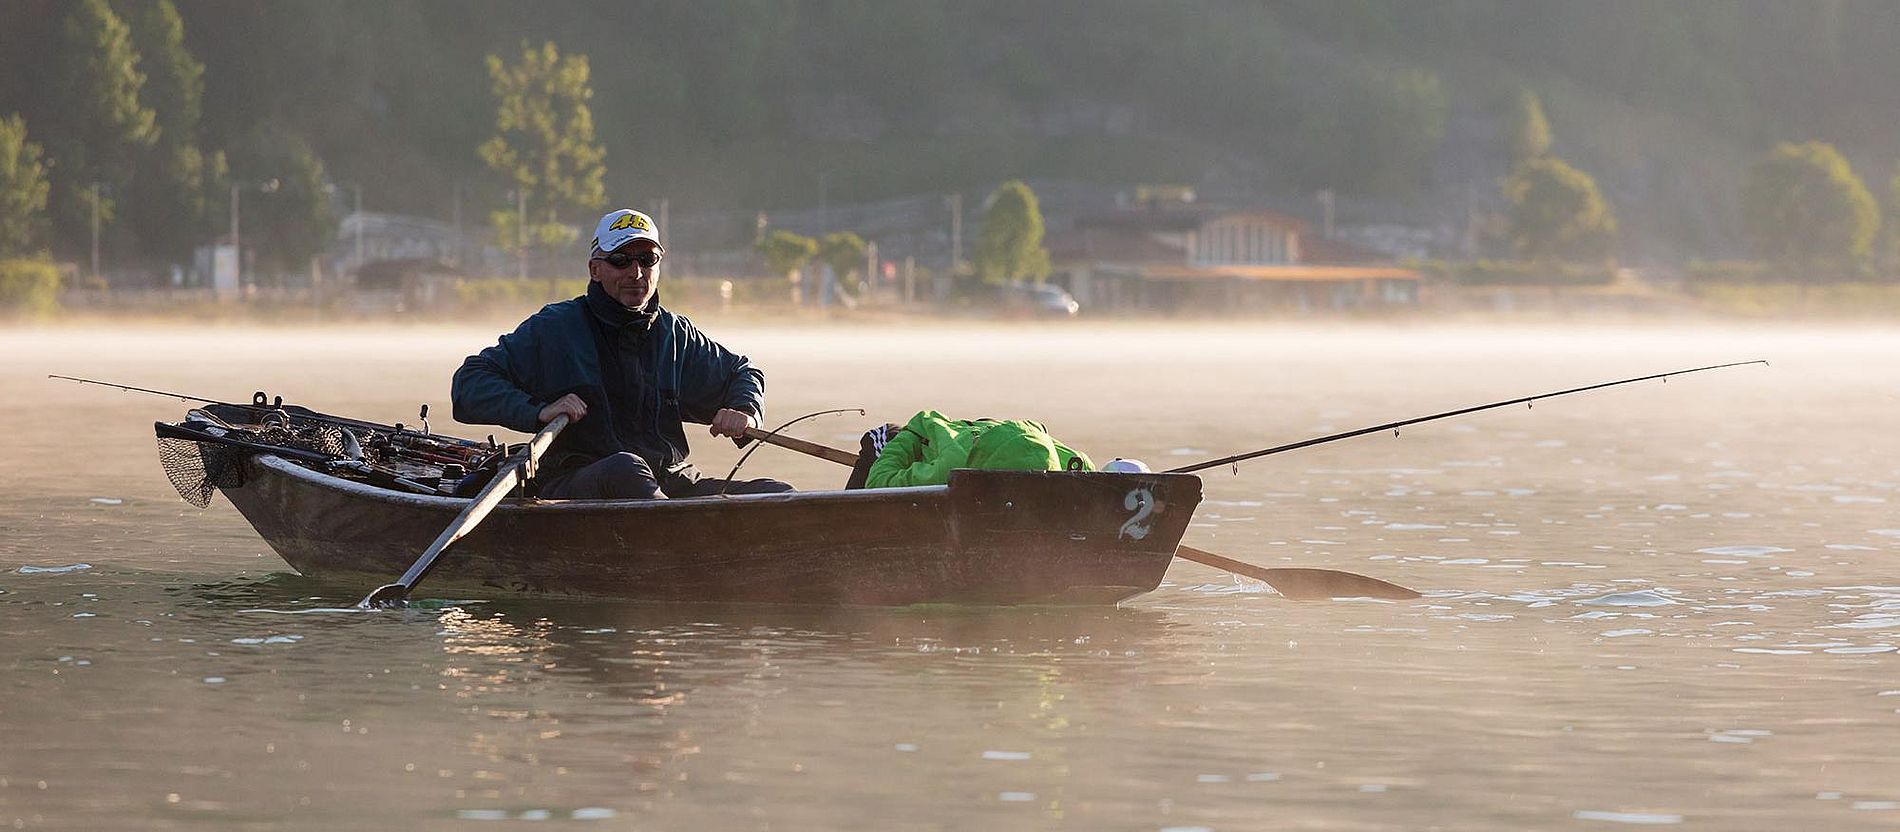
931,445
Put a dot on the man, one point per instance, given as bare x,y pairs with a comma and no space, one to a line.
625,371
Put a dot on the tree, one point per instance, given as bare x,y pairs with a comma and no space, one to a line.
174,80
105,123
293,222
1377,134
1557,211
1804,205
23,190
843,251
1893,203
544,143
1529,131
785,252
1010,247
177,184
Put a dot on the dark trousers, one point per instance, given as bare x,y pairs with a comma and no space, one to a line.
627,476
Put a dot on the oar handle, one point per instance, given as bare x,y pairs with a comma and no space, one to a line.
542,439
825,452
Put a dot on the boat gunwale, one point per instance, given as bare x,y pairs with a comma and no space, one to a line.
333,482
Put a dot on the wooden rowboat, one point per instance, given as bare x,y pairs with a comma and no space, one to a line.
988,537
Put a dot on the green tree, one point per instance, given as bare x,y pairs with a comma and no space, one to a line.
1804,205
785,252
1529,131
1893,231
544,143
23,190
174,80
174,190
1377,134
1010,247
293,222
103,123
843,251
1557,211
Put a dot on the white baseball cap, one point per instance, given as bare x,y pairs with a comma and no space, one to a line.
1127,466
623,226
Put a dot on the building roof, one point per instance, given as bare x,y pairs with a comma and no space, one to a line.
1261,215
1289,273
1111,245
1185,218
1338,252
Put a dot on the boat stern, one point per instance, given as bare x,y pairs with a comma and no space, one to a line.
1068,536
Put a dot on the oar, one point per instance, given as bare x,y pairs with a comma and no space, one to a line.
1301,583
1294,583
840,456
514,471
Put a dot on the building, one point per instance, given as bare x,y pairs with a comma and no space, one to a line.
1183,258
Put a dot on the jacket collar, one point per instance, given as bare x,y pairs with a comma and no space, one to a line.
617,315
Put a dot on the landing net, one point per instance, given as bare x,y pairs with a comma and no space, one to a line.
198,469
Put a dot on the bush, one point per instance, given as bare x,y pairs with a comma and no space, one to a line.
514,293
1730,271
28,288
1756,271
1519,273
1765,300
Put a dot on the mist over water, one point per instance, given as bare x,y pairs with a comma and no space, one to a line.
1659,604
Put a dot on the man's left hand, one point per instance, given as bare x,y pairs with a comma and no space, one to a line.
729,422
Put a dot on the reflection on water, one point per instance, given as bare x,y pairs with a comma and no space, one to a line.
1671,605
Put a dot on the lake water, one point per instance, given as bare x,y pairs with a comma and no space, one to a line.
1660,604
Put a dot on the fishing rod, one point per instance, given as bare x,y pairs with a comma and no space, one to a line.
130,388
1394,426
260,402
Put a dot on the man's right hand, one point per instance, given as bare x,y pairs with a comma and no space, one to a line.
569,404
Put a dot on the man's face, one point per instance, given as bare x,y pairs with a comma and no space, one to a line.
633,285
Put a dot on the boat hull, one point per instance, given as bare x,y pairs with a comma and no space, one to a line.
995,537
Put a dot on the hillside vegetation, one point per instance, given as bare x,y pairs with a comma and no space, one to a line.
746,104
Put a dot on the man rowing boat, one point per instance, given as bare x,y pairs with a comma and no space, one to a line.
640,370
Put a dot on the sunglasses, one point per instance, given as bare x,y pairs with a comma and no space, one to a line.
623,259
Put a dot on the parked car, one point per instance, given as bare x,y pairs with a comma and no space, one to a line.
1037,300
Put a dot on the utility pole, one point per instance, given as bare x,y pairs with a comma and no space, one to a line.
521,235
824,208
455,211
1469,244
237,244
956,232
665,222
359,225
95,233
1326,208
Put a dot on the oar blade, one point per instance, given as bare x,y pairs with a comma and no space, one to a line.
1308,584
1297,583
386,597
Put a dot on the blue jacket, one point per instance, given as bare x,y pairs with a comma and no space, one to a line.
667,372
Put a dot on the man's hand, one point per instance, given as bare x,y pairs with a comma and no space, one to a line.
569,404
729,422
